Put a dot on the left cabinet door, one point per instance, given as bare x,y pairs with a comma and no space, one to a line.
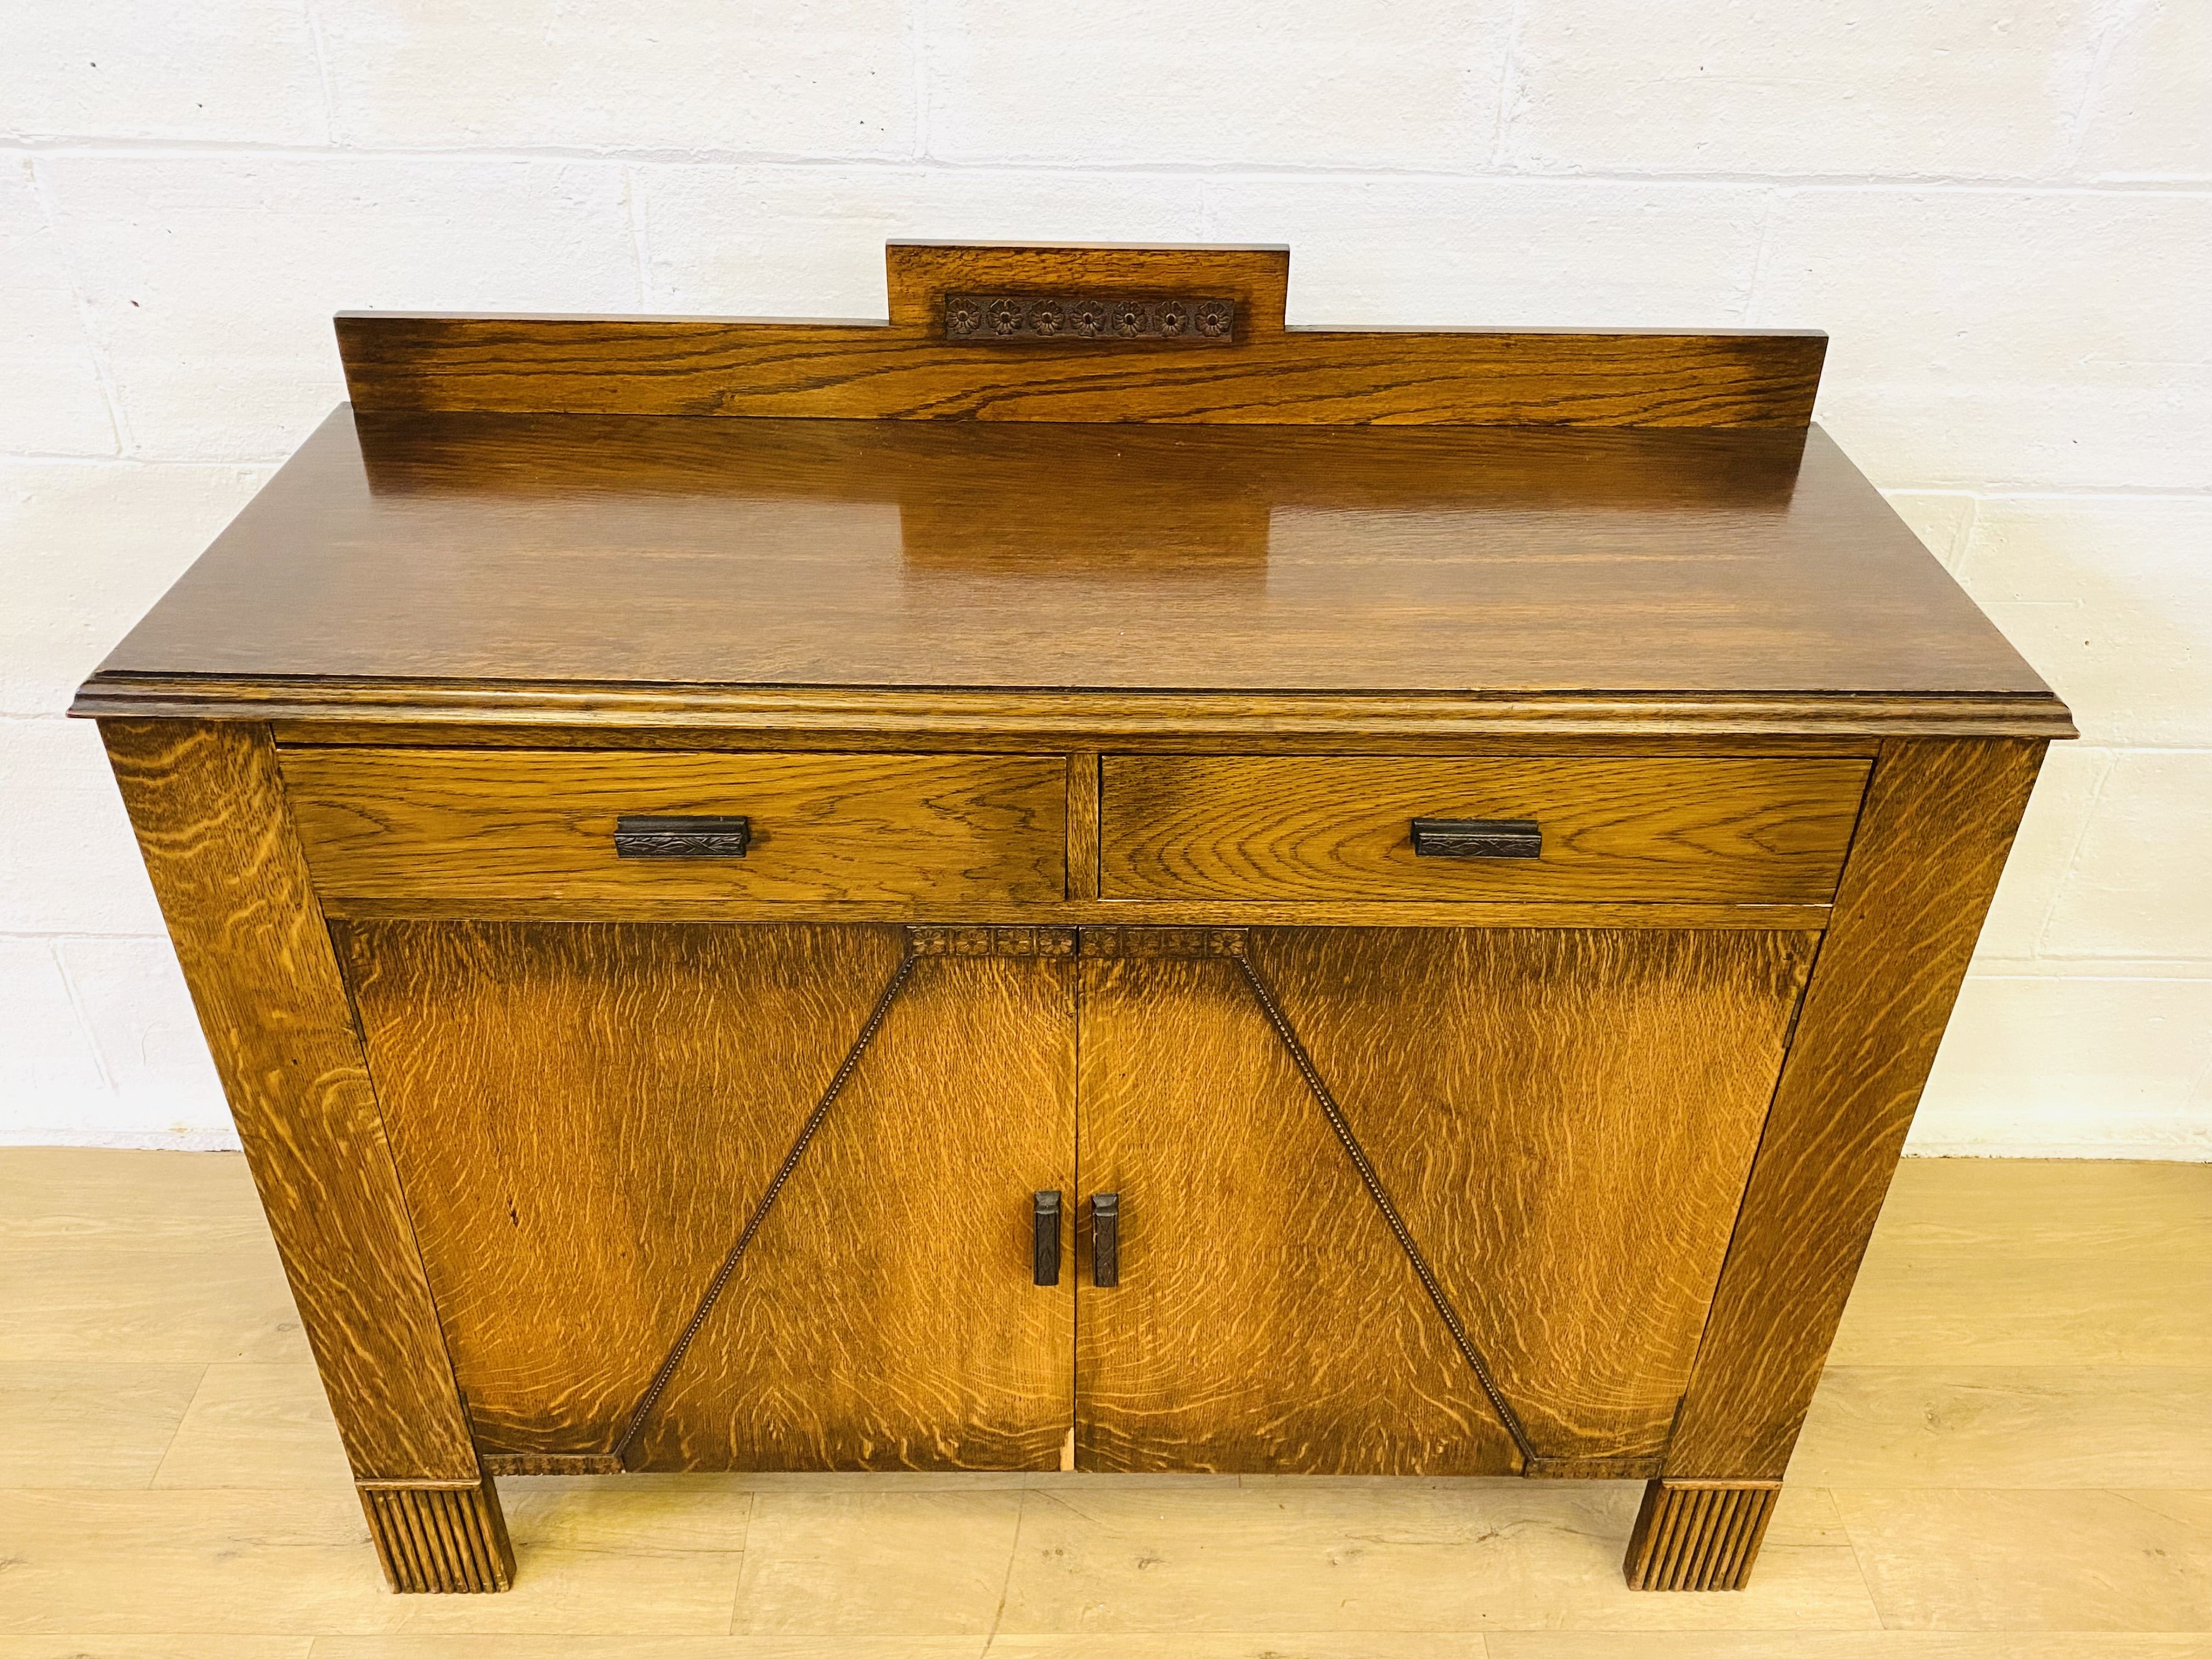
585,1115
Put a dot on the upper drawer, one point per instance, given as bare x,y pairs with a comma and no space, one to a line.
1287,828
504,824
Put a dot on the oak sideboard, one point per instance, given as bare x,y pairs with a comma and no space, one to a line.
1079,879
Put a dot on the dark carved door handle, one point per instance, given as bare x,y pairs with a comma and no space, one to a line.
1106,1240
1045,1240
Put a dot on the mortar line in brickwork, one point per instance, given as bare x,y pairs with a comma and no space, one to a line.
1509,81
918,84
329,100
2105,36
1768,210
97,146
51,218
641,253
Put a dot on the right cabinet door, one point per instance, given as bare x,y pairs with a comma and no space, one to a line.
1562,1120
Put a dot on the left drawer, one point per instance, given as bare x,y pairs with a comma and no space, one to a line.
455,824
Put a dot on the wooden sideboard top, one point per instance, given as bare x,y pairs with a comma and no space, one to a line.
946,521
402,565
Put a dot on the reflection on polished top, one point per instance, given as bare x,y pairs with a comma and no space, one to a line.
666,551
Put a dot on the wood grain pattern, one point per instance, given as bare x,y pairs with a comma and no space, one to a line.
1083,830
803,719
519,824
861,371
1097,913
842,576
1287,828
1521,1095
573,1209
208,805
917,273
1939,820
907,369
1260,739
1116,675
439,1539
1699,1534
1266,1320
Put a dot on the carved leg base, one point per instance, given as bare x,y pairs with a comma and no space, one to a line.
1699,1534
439,1536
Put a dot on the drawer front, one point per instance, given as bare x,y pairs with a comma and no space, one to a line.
1288,828
508,824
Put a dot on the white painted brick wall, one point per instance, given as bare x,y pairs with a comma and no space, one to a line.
1803,87
785,241
2003,213
49,395
2012,338
1259,83
812,79
2144,118
1471,250
235,71
209,279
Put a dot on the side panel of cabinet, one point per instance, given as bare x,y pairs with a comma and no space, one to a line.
1564,1120
583,1116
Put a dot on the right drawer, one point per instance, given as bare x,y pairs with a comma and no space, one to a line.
1287,828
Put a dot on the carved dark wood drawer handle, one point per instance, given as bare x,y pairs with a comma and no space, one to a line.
682,838
1046,1247
1478,838
1106,1240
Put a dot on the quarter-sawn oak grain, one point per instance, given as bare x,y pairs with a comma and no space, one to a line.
573,1210
1554,1071
911,1333
1099,913
1298,828
827,828
208,805
1072,626
1939,820
1266,1321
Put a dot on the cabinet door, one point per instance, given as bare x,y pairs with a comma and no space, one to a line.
1564,1120
586,1114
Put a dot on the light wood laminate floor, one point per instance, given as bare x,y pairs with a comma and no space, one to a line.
2011,1458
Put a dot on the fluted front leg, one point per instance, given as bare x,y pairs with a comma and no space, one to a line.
1700,1535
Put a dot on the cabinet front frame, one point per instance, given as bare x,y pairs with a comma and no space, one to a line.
207,802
